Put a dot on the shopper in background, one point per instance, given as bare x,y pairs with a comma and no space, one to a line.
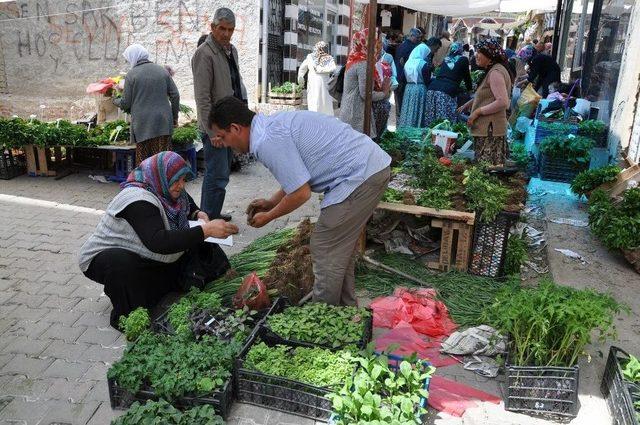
445,42
152,99
216,75
543,69
402,56
386,70
442,92
319,64
488,119
355,83
417,72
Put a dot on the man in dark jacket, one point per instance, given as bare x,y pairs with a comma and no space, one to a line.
216,75
402,55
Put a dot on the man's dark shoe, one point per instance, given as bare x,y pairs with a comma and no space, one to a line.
225,217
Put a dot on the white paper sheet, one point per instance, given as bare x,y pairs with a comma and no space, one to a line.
226,242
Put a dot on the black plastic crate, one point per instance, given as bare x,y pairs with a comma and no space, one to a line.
221,400
283,302
619,393
11,164
274,392
547,391
93,158
490,245
559,170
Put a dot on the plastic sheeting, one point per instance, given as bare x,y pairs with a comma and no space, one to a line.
454,398
417,307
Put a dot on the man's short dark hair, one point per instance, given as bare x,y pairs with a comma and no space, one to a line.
230,110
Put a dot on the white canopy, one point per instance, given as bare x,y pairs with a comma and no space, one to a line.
470,7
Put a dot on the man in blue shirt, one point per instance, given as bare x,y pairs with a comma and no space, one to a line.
312,152
402,56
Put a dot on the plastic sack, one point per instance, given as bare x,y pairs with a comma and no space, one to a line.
528,102
252,293
418,307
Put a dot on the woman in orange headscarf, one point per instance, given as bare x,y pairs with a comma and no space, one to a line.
355,77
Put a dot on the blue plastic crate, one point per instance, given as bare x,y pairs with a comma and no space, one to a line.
125,163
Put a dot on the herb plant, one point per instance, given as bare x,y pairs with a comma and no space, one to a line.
517,254
178,314
550,325
617,225
592,128
588,180
315,366
161,412
320,323
574,149
287,88
435,180
393,195
484,193
173,367
519,154
184,135
377,394
135,323
631,370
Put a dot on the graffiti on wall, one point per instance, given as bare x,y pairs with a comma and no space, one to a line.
93,31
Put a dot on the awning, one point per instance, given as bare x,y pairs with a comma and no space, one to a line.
470,7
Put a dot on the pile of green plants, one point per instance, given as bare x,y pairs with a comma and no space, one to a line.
436,181
320,323
594,129
466,296
402,144
574,149
184,135
551,325
518,153
557,127
110,133
484,193
392,195
377,394
136,323
287,88
161,412
586,181
314,366
196,303
257,257
616,223
173,366
516,256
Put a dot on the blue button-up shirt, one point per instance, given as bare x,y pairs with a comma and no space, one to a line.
303,146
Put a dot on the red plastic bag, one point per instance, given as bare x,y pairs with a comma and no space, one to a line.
252,293
418,307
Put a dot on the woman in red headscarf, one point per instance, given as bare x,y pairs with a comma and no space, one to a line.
355,77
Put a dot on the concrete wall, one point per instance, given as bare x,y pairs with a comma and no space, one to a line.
626,106
50,50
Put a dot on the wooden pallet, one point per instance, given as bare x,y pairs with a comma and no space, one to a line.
46,162
457,233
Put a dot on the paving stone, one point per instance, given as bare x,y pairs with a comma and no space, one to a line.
99,391
69,390
100,336
90,291
63,332
96,353
21,386
23,412
31,367
97,372
65,317
6,323
24,345
90,320
8,284
27,313
59,289
30,300
104,415
64,369
30,287
70,413
71,352
60,303
93,306
6,295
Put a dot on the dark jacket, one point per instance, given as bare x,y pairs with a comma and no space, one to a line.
152,99
543,70
448,80
402,55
